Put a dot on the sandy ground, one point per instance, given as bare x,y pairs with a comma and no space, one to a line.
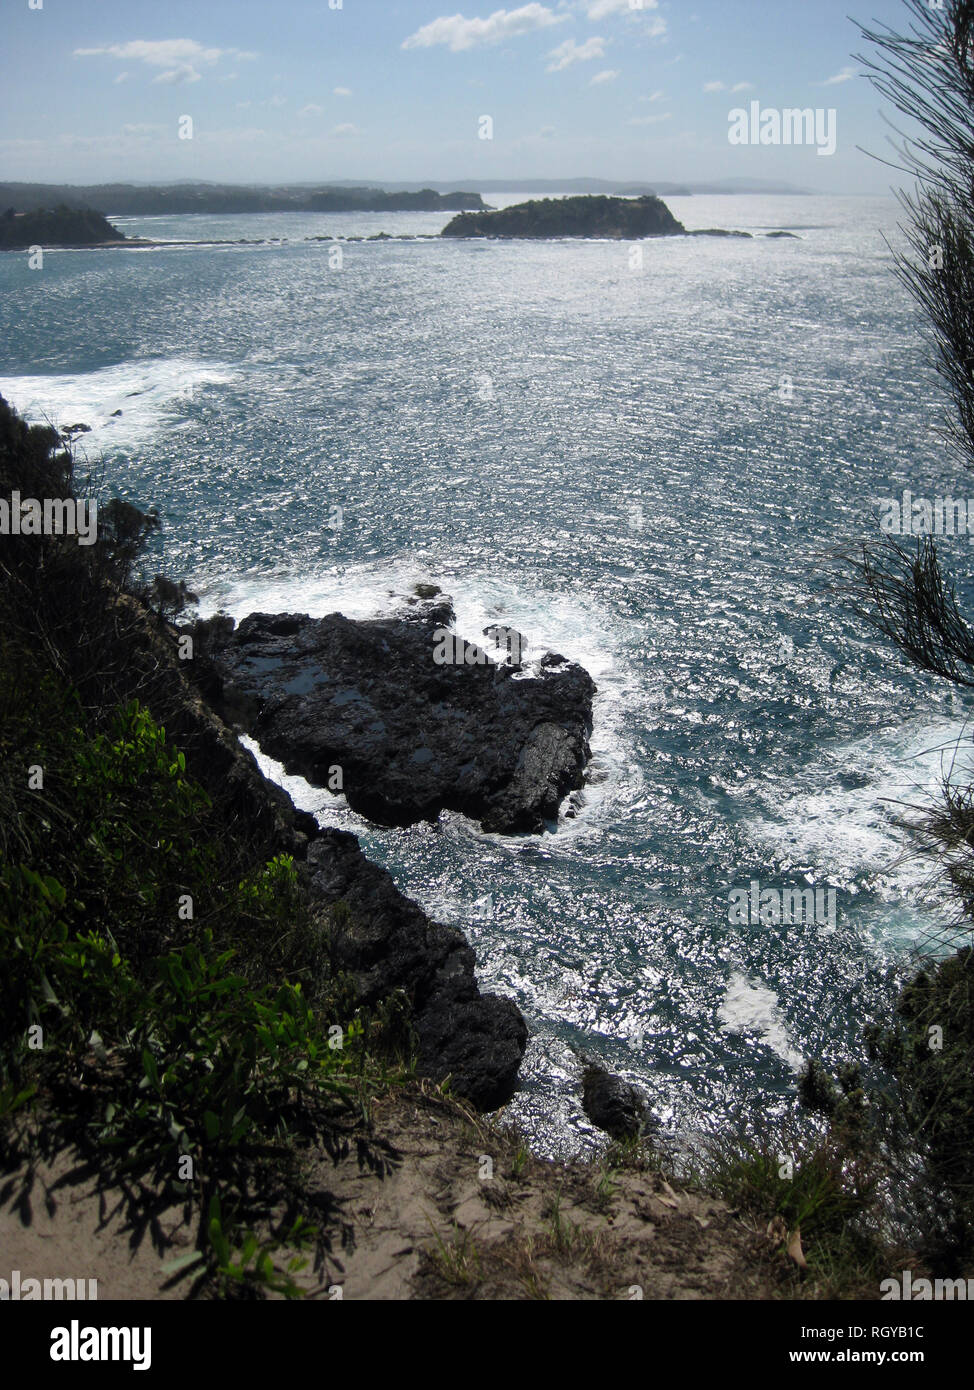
461,1211
54,1224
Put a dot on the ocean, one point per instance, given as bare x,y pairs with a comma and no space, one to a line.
649,469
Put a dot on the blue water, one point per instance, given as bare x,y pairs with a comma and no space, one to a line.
609,459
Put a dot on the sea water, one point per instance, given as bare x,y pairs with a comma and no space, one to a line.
647,468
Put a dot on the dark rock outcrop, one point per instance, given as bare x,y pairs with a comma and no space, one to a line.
388,944
721,231
417,719
613,1104
588,216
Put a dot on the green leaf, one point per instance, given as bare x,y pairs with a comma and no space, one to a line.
192,1257
150,1068
219,1242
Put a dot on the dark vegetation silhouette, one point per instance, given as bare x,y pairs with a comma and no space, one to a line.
166,990
59,226
927,74
140,200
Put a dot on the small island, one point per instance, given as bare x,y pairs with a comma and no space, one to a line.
60,226
589,216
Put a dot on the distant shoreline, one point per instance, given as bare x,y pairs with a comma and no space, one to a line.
148,244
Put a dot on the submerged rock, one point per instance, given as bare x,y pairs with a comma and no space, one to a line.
417,720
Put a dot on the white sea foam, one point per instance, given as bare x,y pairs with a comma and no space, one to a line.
302,793
849,833
752,1008
152,395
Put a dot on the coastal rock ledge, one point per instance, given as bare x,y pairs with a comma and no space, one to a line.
417,720
387,943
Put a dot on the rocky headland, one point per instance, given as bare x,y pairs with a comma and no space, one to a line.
60,226
380,940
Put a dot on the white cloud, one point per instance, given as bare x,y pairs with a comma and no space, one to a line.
743,87
276,100
311,110
608,75
714,87
846,75
180,59
651,120
342,92
596,10
459,33
158,53
346,129
184,73
602,9
546,132
122,77
571,52
142,129
653,96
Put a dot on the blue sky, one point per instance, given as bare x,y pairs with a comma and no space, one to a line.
305,90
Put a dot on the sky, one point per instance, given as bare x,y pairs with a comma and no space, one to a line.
398,90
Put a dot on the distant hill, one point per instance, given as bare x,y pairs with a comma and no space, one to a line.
59,226
135,200
590,216
612,187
